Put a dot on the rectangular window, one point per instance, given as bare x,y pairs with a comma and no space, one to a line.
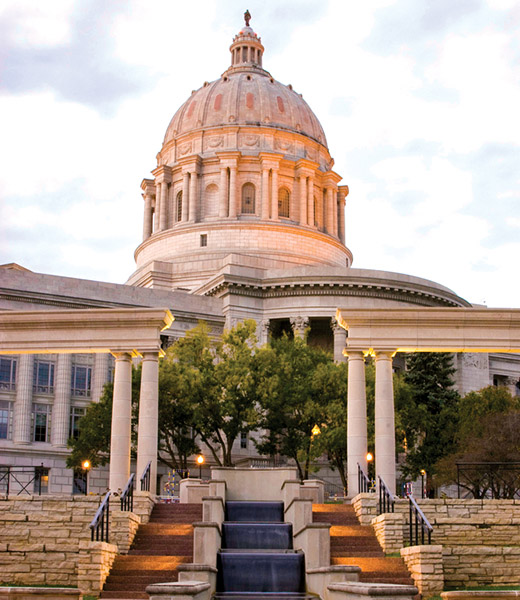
43,381
76,413
41,480
5,410
204,240
7,374
243,439
81,379
41,422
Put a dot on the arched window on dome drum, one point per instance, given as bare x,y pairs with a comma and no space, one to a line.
284,198
178,207
248,199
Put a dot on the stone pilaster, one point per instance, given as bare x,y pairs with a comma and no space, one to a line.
185,212
100,377
311,216
233,207
121,423
148,418
163,217
303,200
223,199
356,420
385,420
265,194
23,404
329,223
192,199
61,407
274,195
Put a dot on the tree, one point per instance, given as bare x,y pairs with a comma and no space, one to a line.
487,442
298,385
428,416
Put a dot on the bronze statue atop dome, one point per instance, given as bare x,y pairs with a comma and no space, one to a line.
247,17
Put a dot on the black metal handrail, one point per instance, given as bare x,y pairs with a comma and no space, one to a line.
99,524
145,478
364,483
386,498
127,496
15,475
418,522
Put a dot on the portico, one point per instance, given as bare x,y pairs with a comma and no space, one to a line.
382,333
125,333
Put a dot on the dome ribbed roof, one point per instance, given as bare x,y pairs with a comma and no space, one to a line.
246,94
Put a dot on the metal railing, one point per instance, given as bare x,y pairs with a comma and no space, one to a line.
18,479
386,498
419,524
364,483
127,495
145,478
99,524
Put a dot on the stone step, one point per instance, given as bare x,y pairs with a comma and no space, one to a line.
125,595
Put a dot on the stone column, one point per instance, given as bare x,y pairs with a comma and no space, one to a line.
147,218
335,215
274,195
341,218
163,218
100,376
384,420
120,438
356,420
157,214
299,324
265,194
303,200
233,208
311,217
340,337
192,199
23,404
264,332
329,212
185,212
223,201
148,418
61,407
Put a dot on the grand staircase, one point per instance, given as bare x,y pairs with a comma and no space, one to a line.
355,544
159,547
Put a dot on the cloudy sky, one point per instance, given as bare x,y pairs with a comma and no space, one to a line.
420,101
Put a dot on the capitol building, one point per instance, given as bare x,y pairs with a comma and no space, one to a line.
243,218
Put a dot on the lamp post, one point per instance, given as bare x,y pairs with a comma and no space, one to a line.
200,462
370,460
85,465
423,473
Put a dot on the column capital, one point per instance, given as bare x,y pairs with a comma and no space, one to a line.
383,354
270,160
331,178
342,192
299,324
229,158
148,187
306,167
336,326
190,164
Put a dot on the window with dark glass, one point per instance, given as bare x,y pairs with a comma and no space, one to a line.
243,439
76,412
178,213
81,379
41,422
283,202
248,199
204,240
7,374
43,381
5,409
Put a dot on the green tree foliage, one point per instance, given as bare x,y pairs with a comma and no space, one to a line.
300,387
489,421
428,416
217,380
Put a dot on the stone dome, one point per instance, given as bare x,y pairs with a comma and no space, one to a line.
246,95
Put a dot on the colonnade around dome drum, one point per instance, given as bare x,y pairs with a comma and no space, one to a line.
235,186
382,333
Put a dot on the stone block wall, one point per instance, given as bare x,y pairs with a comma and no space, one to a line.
481,565
94,563
389,531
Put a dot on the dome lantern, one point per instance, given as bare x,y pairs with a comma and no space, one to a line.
246,49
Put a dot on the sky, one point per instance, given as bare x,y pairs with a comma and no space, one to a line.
419,99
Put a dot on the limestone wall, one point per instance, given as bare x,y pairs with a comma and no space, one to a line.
42,539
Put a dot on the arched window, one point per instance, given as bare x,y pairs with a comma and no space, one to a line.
248,199
284,197
178,211
210,202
